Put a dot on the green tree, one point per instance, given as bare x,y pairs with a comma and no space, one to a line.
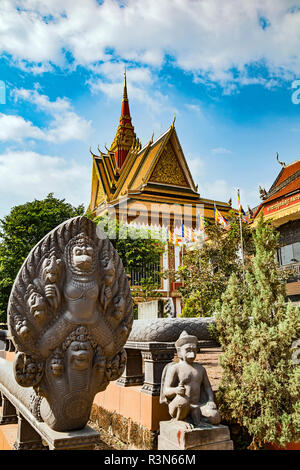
21,230
139,248
260,385
147,290
207,269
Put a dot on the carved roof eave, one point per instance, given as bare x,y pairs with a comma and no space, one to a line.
168,135
165,186
127,166
103,175
187,170
160,142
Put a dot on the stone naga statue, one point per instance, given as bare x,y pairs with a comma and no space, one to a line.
70,313
185,386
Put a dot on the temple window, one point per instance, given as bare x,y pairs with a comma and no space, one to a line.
289,254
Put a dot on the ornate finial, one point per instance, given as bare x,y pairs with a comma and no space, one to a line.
250,211
230,202
262,193
173,123
108,151
151,140
91,152
125,96
281,163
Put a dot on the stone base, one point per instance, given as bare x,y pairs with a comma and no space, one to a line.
175,435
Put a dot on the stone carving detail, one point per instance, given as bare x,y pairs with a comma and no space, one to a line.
168,329
185,386
70,314
168,169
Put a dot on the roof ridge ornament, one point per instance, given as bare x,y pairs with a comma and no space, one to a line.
283,164
173,123
152,137
262,193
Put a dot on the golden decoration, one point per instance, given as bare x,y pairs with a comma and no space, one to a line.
168,169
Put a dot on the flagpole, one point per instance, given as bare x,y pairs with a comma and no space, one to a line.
215,212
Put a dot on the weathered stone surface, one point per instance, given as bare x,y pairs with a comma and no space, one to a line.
185,386
169,329
133,371
187,438
164,444
32,432
69,315
186,389
174,435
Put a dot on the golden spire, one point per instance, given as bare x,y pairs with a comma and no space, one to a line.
125,96
125,136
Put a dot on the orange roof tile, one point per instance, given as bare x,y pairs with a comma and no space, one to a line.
288,171
292,186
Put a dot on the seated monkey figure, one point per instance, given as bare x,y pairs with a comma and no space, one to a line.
185,386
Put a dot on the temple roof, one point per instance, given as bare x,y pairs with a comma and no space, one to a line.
286,182
159,165
157,172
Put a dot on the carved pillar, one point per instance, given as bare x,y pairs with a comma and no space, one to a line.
27,437
133,372
8,412
156,356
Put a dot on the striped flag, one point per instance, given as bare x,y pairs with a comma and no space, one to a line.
219,219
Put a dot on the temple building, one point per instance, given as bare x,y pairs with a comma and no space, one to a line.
281,204
149,185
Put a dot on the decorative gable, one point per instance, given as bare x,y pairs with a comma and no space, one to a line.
168,169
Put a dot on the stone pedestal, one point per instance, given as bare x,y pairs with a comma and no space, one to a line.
27,437
8,413
133,372
156,357
174,435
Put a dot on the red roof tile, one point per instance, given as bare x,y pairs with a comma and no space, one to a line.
292,186
288,171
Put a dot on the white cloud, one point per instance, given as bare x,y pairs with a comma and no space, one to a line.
26,176
221,151
16,128
196,108
205,37
65,124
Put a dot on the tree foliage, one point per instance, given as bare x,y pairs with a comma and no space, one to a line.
207,269
137,247
21,230
260,385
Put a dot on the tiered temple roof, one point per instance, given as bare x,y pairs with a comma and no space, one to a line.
155,173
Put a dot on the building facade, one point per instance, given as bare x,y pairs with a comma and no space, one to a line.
281,204
149,186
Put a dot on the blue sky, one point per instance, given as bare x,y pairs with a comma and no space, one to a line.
225,69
